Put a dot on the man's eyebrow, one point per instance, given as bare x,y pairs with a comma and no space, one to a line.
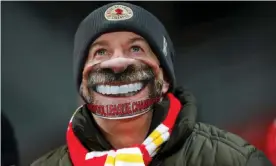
137,39
99,43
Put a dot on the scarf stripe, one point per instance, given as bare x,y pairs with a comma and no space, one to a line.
140,155
90,155
156,138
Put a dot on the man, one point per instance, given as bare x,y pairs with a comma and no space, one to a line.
134,114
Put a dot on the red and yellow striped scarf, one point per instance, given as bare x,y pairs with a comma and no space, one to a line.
138,155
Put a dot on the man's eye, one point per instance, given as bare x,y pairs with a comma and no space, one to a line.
101,52
136,49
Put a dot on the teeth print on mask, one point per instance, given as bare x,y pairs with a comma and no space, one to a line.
122,89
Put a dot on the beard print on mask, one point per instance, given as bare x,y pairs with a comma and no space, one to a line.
123,95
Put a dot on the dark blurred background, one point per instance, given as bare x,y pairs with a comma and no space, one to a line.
226,55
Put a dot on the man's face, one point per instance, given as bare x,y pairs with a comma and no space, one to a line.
121,68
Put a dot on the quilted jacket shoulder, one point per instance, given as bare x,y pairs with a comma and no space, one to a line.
210,146
57,157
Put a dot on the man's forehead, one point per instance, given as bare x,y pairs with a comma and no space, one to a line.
123,37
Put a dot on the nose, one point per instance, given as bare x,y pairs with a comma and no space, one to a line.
117,64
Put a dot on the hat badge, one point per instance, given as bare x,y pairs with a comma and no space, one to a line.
118,12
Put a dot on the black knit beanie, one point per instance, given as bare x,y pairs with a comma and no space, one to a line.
121,16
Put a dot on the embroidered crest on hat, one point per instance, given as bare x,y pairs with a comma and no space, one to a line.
118,12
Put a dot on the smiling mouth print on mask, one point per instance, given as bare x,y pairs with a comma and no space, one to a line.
125,94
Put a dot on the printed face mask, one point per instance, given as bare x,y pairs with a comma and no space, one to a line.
125,94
